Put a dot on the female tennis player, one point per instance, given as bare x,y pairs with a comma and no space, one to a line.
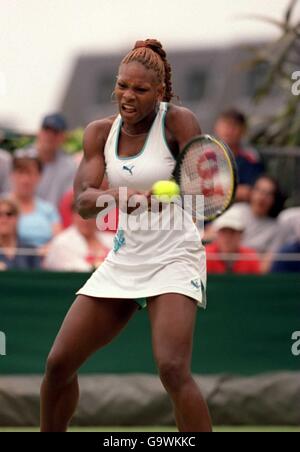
163,270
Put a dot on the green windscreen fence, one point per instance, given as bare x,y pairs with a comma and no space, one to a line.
246,329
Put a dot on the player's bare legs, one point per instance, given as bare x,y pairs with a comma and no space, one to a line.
172,318
90,324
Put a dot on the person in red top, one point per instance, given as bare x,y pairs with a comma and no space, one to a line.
220,257
66,212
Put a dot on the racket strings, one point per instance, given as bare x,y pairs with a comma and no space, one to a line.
206,170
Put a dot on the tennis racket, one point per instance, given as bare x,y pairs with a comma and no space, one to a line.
206,166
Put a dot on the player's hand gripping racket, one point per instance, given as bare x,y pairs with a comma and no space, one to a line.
206,166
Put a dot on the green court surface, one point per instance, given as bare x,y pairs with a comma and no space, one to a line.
224,429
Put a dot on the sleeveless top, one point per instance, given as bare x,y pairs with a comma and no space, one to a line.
154,162
148,262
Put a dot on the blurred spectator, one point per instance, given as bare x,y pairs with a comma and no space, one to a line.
260,216
79,248
78,158
5,166
66,211
231,127
58,168
230,228
39,220
262,231
292,247
9,241
66,203
289,221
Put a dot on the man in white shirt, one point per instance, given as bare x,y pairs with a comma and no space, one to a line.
79,248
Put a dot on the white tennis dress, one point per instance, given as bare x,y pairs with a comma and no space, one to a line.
146,263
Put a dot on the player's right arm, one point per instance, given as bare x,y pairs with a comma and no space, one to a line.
91,171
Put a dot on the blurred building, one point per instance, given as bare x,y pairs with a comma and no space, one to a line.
206,80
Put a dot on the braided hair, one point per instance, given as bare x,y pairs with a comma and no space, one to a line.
151,54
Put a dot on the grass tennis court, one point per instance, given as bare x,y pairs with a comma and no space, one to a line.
223,429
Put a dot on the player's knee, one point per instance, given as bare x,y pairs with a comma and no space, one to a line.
57,371
173,373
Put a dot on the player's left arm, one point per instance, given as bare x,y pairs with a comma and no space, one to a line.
181,126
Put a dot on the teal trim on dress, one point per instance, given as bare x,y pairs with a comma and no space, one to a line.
164,131
143,149
119,240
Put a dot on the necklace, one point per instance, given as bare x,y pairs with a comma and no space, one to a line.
133,134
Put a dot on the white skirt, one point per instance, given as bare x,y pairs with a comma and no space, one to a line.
145,264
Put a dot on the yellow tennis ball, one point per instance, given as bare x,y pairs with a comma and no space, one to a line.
165,190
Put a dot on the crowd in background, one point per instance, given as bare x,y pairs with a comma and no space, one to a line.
39,227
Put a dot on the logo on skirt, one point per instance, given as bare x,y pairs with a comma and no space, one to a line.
196,283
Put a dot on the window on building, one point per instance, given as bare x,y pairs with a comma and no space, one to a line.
196,82
255,79
105,86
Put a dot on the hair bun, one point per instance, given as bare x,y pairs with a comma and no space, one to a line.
139,45
152,44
